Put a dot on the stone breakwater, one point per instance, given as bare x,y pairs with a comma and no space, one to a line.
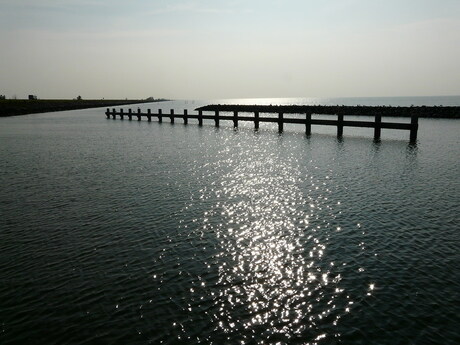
448,112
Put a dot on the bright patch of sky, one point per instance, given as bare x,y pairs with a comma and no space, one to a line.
229,49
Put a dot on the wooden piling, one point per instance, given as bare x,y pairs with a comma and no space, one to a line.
172,115
121,114
185,117
114,113
216,118
160,116
200,118
235,119
149,115
138,114
107,113
378,127
308,123
130,114
339,125
256,120
413,129
280,122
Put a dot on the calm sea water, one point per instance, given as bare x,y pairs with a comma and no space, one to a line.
117,232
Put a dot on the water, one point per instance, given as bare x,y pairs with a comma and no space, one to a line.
137,232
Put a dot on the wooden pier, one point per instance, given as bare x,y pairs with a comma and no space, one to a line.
252,114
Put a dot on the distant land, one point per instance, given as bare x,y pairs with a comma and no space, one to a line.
12,107
445,112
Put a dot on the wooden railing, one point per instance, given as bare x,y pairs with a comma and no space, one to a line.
305,119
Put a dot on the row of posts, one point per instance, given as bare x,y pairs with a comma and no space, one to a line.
340,125
160,116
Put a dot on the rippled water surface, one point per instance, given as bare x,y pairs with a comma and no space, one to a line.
136,232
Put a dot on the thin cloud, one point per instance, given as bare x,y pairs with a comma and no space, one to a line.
53,3
193,7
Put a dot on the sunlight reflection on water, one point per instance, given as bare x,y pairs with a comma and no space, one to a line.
276,280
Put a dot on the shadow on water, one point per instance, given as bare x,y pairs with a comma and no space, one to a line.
376,146
340,143
412,152
412,148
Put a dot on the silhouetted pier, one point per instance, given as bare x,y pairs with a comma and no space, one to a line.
237,113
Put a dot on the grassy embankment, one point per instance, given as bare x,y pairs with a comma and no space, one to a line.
447,112
11,107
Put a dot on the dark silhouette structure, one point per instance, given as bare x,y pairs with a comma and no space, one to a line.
13,107
252,114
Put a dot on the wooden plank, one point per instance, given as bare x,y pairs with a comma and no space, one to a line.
396,125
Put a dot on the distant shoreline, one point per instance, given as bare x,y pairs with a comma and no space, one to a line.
15,107
436,112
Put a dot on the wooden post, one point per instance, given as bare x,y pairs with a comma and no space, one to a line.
235,119
185,116
107,113
130,114
378,127
160,115
308,123
200,117
413,129
280,122
256,120
114,113
149,115
138,114
121,114
339,125
172,116
216,118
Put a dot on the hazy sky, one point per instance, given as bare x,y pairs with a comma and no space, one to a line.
200,49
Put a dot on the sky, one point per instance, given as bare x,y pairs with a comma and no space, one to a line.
204,49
